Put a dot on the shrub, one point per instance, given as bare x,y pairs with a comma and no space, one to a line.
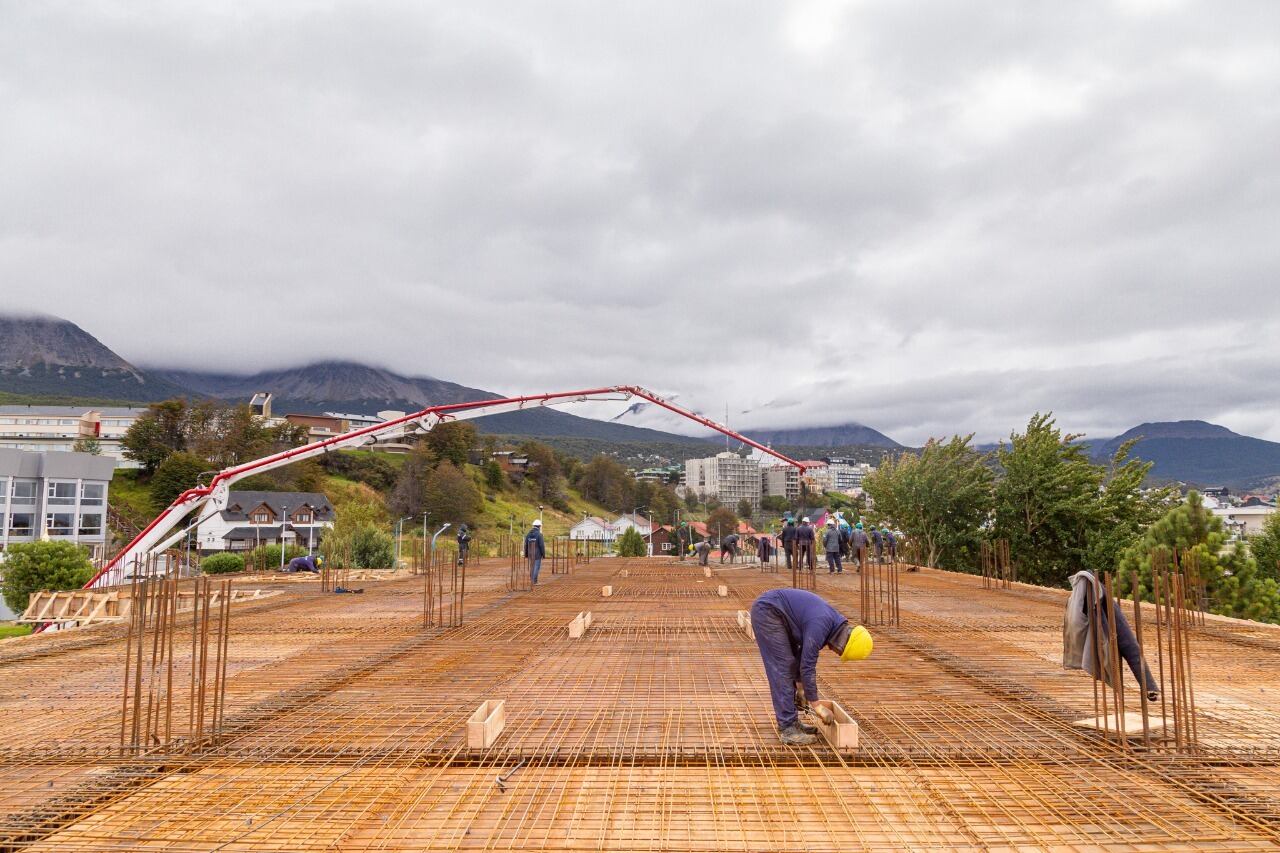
33,566
631,544
221,564
268,556
371,548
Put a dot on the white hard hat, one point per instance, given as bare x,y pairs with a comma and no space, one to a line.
537,522
831,522
805,520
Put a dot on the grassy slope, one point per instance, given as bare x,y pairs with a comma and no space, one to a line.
131,498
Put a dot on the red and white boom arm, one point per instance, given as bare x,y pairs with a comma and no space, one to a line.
212,499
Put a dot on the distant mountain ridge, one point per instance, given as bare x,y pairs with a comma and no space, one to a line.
42,355
1199,453
842,435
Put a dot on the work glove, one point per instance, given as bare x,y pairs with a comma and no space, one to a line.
802,704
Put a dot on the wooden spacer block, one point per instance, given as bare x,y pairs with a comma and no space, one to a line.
706,571
577,627
743,618
722,591
835,724
606,591
624,573
484,726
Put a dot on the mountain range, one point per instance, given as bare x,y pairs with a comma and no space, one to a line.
1200,453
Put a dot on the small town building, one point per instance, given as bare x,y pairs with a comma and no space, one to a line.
255,518
594,528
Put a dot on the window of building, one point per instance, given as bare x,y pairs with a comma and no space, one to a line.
59,523
67,422
303,517
261,518
91,494
61,494
91,524
8,421
23,492
22,524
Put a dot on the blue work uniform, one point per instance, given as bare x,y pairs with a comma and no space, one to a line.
303,564
535,548
791,627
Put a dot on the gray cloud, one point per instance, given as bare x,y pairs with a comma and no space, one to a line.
927,217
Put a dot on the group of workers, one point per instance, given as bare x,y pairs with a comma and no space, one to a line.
840,541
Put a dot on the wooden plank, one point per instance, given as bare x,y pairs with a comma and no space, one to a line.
488,721
835,725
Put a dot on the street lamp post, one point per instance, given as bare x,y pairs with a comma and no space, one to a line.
284,519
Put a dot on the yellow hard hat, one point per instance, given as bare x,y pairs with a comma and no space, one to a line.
859,645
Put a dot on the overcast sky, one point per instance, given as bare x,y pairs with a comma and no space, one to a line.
926,217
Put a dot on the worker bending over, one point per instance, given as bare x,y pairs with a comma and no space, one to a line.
792,626
304,564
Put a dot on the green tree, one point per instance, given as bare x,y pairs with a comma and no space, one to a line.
493,475
222,563
1046,501
939,497
1233,584
88,445
449,495
33,566
176,474
663,503
745,510
1265,547
410,486
157,433
606,481
775,503
372,548
451,441
721,522
631,544
1125,509
544,471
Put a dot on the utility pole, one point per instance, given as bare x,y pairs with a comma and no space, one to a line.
284,519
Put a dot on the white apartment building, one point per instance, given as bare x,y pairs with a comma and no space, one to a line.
846,475
54,495
43,428
725,476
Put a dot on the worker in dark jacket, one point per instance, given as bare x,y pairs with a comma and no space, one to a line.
729,547
859,545
304,564
890,544
877,544
831,545
535,548
792,626
764,548
788,538
805,545
464,544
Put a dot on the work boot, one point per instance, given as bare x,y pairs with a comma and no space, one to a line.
793,735
806,728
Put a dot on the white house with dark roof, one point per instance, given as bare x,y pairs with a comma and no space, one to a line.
265,518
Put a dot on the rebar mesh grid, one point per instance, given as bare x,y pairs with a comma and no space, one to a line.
345,719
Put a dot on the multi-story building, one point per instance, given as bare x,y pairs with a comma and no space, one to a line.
847,474
39,428
320,427
726,476
267,518
780,481
54,495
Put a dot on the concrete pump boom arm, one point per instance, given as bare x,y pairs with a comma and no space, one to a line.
212,498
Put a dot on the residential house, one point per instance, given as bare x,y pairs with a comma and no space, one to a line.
1244,520
639,522
594,528
266,518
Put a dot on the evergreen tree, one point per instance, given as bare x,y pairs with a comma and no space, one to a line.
631,544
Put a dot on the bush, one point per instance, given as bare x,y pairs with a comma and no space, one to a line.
268,556
175,475
221,564
631,544
372,548
33,566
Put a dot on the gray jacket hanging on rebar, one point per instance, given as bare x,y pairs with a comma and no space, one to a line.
1079,640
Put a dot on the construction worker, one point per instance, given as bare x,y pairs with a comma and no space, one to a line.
464,544
877,544
703,550
890,544
792,626
305,564
804,545
858,544
788,538
831,544
535,548
729,546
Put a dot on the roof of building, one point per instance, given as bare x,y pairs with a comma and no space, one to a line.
277,501
1264,509
54,464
